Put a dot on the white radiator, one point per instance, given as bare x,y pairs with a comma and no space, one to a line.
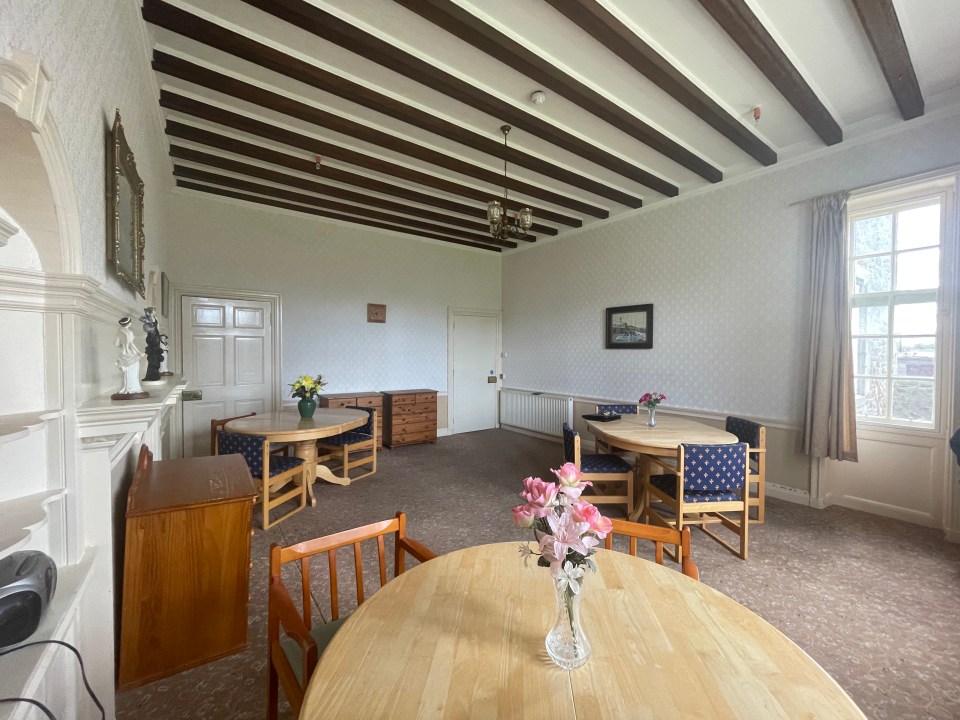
535,411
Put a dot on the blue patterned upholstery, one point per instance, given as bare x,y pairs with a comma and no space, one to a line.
364,433
617,409
601,463
251,447
746,431
711,473
569,452
955,444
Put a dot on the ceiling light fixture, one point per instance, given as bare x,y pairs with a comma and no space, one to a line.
503,224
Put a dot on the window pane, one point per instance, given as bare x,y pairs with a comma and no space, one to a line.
871,275
914,356
919,227
872,235
870,320
915,319
871,397
913,400
918,269
870,356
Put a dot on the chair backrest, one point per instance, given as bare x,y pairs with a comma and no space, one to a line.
753,434
626,409
955,444
217,425
712,469
250,446
367,427
659,536
571,445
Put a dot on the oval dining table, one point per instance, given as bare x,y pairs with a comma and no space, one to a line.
302,433
462,636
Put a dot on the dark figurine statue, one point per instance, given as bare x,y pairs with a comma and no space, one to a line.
154,344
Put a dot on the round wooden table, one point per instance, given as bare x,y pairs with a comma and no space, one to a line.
289,427
462,636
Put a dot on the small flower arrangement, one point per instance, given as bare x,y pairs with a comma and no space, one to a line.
651,400
567,529
306,387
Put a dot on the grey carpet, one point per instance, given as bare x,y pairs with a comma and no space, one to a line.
873,601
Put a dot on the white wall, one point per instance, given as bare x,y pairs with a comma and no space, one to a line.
326,273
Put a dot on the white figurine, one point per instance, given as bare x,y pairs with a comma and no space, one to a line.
129,364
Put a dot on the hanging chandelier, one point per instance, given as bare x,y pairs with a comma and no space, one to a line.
503,224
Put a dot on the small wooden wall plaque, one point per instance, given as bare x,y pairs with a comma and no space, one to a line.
376,313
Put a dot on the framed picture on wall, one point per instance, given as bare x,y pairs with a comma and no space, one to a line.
629,327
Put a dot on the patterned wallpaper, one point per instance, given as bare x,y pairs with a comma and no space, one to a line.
326,274
726,272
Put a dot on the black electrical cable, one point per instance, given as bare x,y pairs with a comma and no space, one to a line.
46,710
83,674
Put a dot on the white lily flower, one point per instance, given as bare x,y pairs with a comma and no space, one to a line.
569,576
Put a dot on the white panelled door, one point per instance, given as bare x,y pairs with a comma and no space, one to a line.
228,354
475,347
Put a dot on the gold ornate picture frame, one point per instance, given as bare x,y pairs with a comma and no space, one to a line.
125,238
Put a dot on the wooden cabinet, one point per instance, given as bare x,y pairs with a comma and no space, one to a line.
359,399
409,417
186,565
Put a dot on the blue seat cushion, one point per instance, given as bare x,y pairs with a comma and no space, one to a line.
668,484
281,463
322,634
600,463
348,438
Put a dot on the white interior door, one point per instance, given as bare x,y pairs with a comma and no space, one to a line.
228,355
475,347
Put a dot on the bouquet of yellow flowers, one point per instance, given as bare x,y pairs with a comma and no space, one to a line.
306,387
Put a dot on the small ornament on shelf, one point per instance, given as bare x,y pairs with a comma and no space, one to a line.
128,362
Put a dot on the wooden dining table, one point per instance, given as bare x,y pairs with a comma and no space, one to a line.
462,636
302,433
632,434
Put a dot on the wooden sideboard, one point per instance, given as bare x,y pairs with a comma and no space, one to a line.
186,565
409,417
358,399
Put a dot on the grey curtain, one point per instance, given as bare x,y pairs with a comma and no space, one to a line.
830,425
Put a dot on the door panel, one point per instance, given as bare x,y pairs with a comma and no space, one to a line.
474,398
228,353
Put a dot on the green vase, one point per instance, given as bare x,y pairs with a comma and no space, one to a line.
307,407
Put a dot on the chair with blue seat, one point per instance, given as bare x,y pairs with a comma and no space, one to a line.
613,409
294,641
602,470
362,439
280,478
707,483
755,435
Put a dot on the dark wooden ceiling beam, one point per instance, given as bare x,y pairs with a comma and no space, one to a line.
323,213
290,180
746,30
275,157
196,28
880,21
191,72
476,32
205,176
315,146
612,34
331,28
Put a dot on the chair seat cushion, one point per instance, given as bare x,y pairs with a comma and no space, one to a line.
668,484
347,438
599,463
322,634
280,464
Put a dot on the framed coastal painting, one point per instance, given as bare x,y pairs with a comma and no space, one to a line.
629,327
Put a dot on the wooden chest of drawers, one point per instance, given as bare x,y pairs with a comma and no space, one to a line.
409,417
359,399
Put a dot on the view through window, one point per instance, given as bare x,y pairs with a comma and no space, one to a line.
895,275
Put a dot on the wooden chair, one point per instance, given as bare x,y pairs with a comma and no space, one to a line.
754,435
659,536
707,482
363,439
295,643
602,470
217,425
281,478
619,409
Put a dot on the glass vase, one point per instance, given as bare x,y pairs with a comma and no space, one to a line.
651,417
566,644
307,407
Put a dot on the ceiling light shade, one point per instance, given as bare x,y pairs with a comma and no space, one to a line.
503,224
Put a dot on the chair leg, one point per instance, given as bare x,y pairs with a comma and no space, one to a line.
273,690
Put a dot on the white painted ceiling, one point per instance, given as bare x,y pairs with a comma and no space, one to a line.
823,39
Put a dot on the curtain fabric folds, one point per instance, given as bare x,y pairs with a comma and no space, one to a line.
830,424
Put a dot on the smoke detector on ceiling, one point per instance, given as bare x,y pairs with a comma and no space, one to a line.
538,97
